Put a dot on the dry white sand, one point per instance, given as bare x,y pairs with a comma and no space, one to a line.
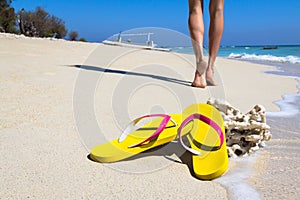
42,155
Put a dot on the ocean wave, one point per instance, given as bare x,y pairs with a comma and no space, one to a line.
267,58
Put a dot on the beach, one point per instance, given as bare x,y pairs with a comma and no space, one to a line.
60,98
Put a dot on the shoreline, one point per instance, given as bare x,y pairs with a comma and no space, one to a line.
269,163
38,115
258,165
248,170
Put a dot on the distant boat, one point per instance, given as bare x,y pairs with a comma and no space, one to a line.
148,45
270,47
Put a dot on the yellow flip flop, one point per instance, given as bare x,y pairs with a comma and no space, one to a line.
135,140
207,139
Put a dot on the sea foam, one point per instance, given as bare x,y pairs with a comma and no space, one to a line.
235,180
287,105
268,58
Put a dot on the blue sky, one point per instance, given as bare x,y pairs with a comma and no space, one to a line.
247,22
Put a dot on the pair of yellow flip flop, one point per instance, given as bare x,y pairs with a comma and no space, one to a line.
203,125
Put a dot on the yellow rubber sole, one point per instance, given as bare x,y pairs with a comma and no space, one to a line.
115,151
210,164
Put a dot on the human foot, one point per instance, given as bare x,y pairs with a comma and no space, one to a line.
199,79
210,78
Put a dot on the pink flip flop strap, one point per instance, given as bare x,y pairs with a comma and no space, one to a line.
206,120
132,127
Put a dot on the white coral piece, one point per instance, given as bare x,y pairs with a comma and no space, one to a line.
245,133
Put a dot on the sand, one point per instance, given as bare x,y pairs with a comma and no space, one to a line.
52,112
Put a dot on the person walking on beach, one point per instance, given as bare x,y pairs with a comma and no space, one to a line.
205,71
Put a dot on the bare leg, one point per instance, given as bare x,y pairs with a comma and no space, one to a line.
196,26
216,27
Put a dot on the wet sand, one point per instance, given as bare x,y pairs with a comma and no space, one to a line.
277,170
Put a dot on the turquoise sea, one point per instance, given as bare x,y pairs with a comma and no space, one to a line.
282,54
285,58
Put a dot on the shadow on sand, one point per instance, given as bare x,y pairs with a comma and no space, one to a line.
123,72
166,151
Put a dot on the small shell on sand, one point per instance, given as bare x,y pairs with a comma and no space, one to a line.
245,133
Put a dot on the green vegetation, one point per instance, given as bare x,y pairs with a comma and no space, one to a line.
82,40
73,35
7,17
37,23
40,23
